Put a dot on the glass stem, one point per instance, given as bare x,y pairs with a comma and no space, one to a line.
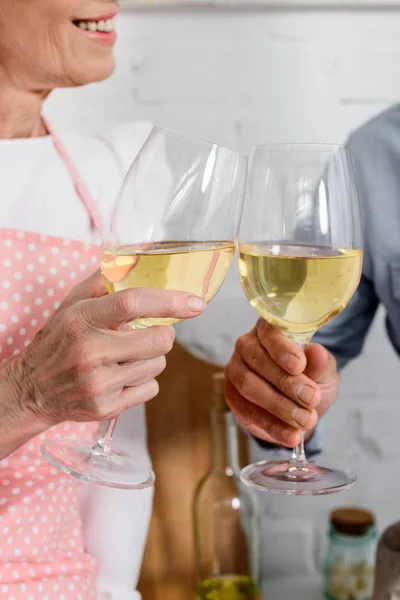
299,456
103,444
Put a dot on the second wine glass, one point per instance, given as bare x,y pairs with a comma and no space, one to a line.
174,227
300,263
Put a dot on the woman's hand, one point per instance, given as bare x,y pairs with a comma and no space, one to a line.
83,367
275,389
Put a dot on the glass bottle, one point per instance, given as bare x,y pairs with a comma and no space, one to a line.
226,516
349,572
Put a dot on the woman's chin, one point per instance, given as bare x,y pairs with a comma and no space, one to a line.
102,71
90,72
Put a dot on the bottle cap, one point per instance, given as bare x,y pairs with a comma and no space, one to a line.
352,521
218,401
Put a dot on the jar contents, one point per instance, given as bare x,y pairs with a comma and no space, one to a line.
351,557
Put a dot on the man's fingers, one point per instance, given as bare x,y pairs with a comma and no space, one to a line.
256,390
299,388
284,351
259,422
321,364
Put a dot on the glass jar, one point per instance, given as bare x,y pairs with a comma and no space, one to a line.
349,570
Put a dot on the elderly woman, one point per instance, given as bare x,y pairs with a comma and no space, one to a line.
65,362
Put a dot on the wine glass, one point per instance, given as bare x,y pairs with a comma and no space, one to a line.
300,262
173,227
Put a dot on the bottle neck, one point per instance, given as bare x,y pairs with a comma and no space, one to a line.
220,460
224,443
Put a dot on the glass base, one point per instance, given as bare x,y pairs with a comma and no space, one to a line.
297,479
115,469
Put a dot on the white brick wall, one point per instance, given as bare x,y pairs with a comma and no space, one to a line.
241,78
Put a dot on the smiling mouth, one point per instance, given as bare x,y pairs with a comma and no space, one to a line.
103,25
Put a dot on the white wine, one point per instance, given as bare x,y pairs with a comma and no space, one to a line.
299,288
196,267
228,587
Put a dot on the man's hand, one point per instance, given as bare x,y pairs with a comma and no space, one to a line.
275,389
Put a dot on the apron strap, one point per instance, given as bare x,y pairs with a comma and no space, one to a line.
80,187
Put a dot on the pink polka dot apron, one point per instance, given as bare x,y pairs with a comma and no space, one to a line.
42,555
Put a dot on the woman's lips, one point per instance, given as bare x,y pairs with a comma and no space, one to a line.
100,29
99,36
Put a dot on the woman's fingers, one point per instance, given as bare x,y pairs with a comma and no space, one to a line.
131,374
92,287
112,406
80,362
134,345
115,310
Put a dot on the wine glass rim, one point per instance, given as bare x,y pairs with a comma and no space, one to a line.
300,146
179,134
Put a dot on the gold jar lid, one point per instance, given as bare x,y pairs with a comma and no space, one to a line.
352,521
218,402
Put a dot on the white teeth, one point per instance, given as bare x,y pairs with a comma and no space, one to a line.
105,26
